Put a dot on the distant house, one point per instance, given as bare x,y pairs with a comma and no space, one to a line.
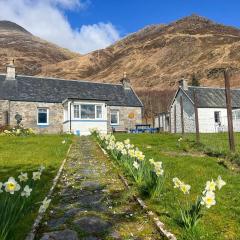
212,112
50,105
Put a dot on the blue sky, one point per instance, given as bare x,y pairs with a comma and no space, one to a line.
87,25
131,15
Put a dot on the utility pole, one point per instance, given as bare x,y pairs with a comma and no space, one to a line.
229,111
182,117
196,116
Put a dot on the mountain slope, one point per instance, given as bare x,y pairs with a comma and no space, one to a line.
30,52
159,55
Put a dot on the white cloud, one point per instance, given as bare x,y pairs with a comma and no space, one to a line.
46,19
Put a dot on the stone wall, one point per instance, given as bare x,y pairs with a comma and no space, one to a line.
125,120
4,105
188,114
28,110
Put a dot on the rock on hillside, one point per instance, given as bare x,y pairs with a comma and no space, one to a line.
30,52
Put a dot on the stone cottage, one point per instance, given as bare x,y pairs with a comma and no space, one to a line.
50,105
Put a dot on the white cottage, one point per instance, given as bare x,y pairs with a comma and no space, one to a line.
211,105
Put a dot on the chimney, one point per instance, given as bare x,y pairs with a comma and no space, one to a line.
125,82
11,71
183,84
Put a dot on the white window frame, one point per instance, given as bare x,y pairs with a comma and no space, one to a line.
43,124
98,105
118,120
79,109
95,111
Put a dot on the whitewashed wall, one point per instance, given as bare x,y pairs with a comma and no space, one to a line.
207,122
188,114
84,126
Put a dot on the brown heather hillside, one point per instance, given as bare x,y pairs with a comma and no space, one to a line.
157,56
30,52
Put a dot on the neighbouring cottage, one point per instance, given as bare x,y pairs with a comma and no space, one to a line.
50,105
211,106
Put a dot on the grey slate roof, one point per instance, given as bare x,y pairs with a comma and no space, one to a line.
35,89
213,97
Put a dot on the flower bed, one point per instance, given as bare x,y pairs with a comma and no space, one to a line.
147,173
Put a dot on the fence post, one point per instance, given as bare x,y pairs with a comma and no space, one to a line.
229,111
196,116
175,119
182,118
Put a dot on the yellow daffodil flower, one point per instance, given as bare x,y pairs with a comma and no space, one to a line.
208,199
11,186
23,177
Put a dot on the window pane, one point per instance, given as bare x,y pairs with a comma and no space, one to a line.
76,111
217,117
42,116
114,117
88,111
99,111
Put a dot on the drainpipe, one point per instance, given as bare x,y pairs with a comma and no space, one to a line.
70,120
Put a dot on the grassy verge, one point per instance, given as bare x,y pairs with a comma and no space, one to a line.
219,222
26,154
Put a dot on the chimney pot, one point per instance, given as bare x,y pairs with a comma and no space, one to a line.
125,82
183,84
11,74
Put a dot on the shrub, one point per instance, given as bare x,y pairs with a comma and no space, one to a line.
16,131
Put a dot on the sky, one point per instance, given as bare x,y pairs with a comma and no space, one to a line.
87,25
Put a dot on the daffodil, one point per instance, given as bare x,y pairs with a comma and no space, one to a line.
41,168
36,175
177,182
151,161
126,142
63,142
124,152
131,153
158,168
11,186
208,199
210,186
220,183
185,188
23,177
26,191
136,165
45,205
180,139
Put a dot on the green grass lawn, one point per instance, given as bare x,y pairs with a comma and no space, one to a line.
26,154
222,221
216,142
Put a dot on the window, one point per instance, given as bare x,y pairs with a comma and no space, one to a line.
42,116
98,111
217,117
87,111
76,111
114,117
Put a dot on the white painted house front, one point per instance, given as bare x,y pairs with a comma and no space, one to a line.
81,116
211,106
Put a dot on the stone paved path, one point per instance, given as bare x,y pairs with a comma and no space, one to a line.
91,202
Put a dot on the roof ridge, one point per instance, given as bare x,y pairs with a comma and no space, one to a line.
212,87
62,79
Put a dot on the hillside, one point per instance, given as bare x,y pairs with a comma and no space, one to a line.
159,55
30,52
